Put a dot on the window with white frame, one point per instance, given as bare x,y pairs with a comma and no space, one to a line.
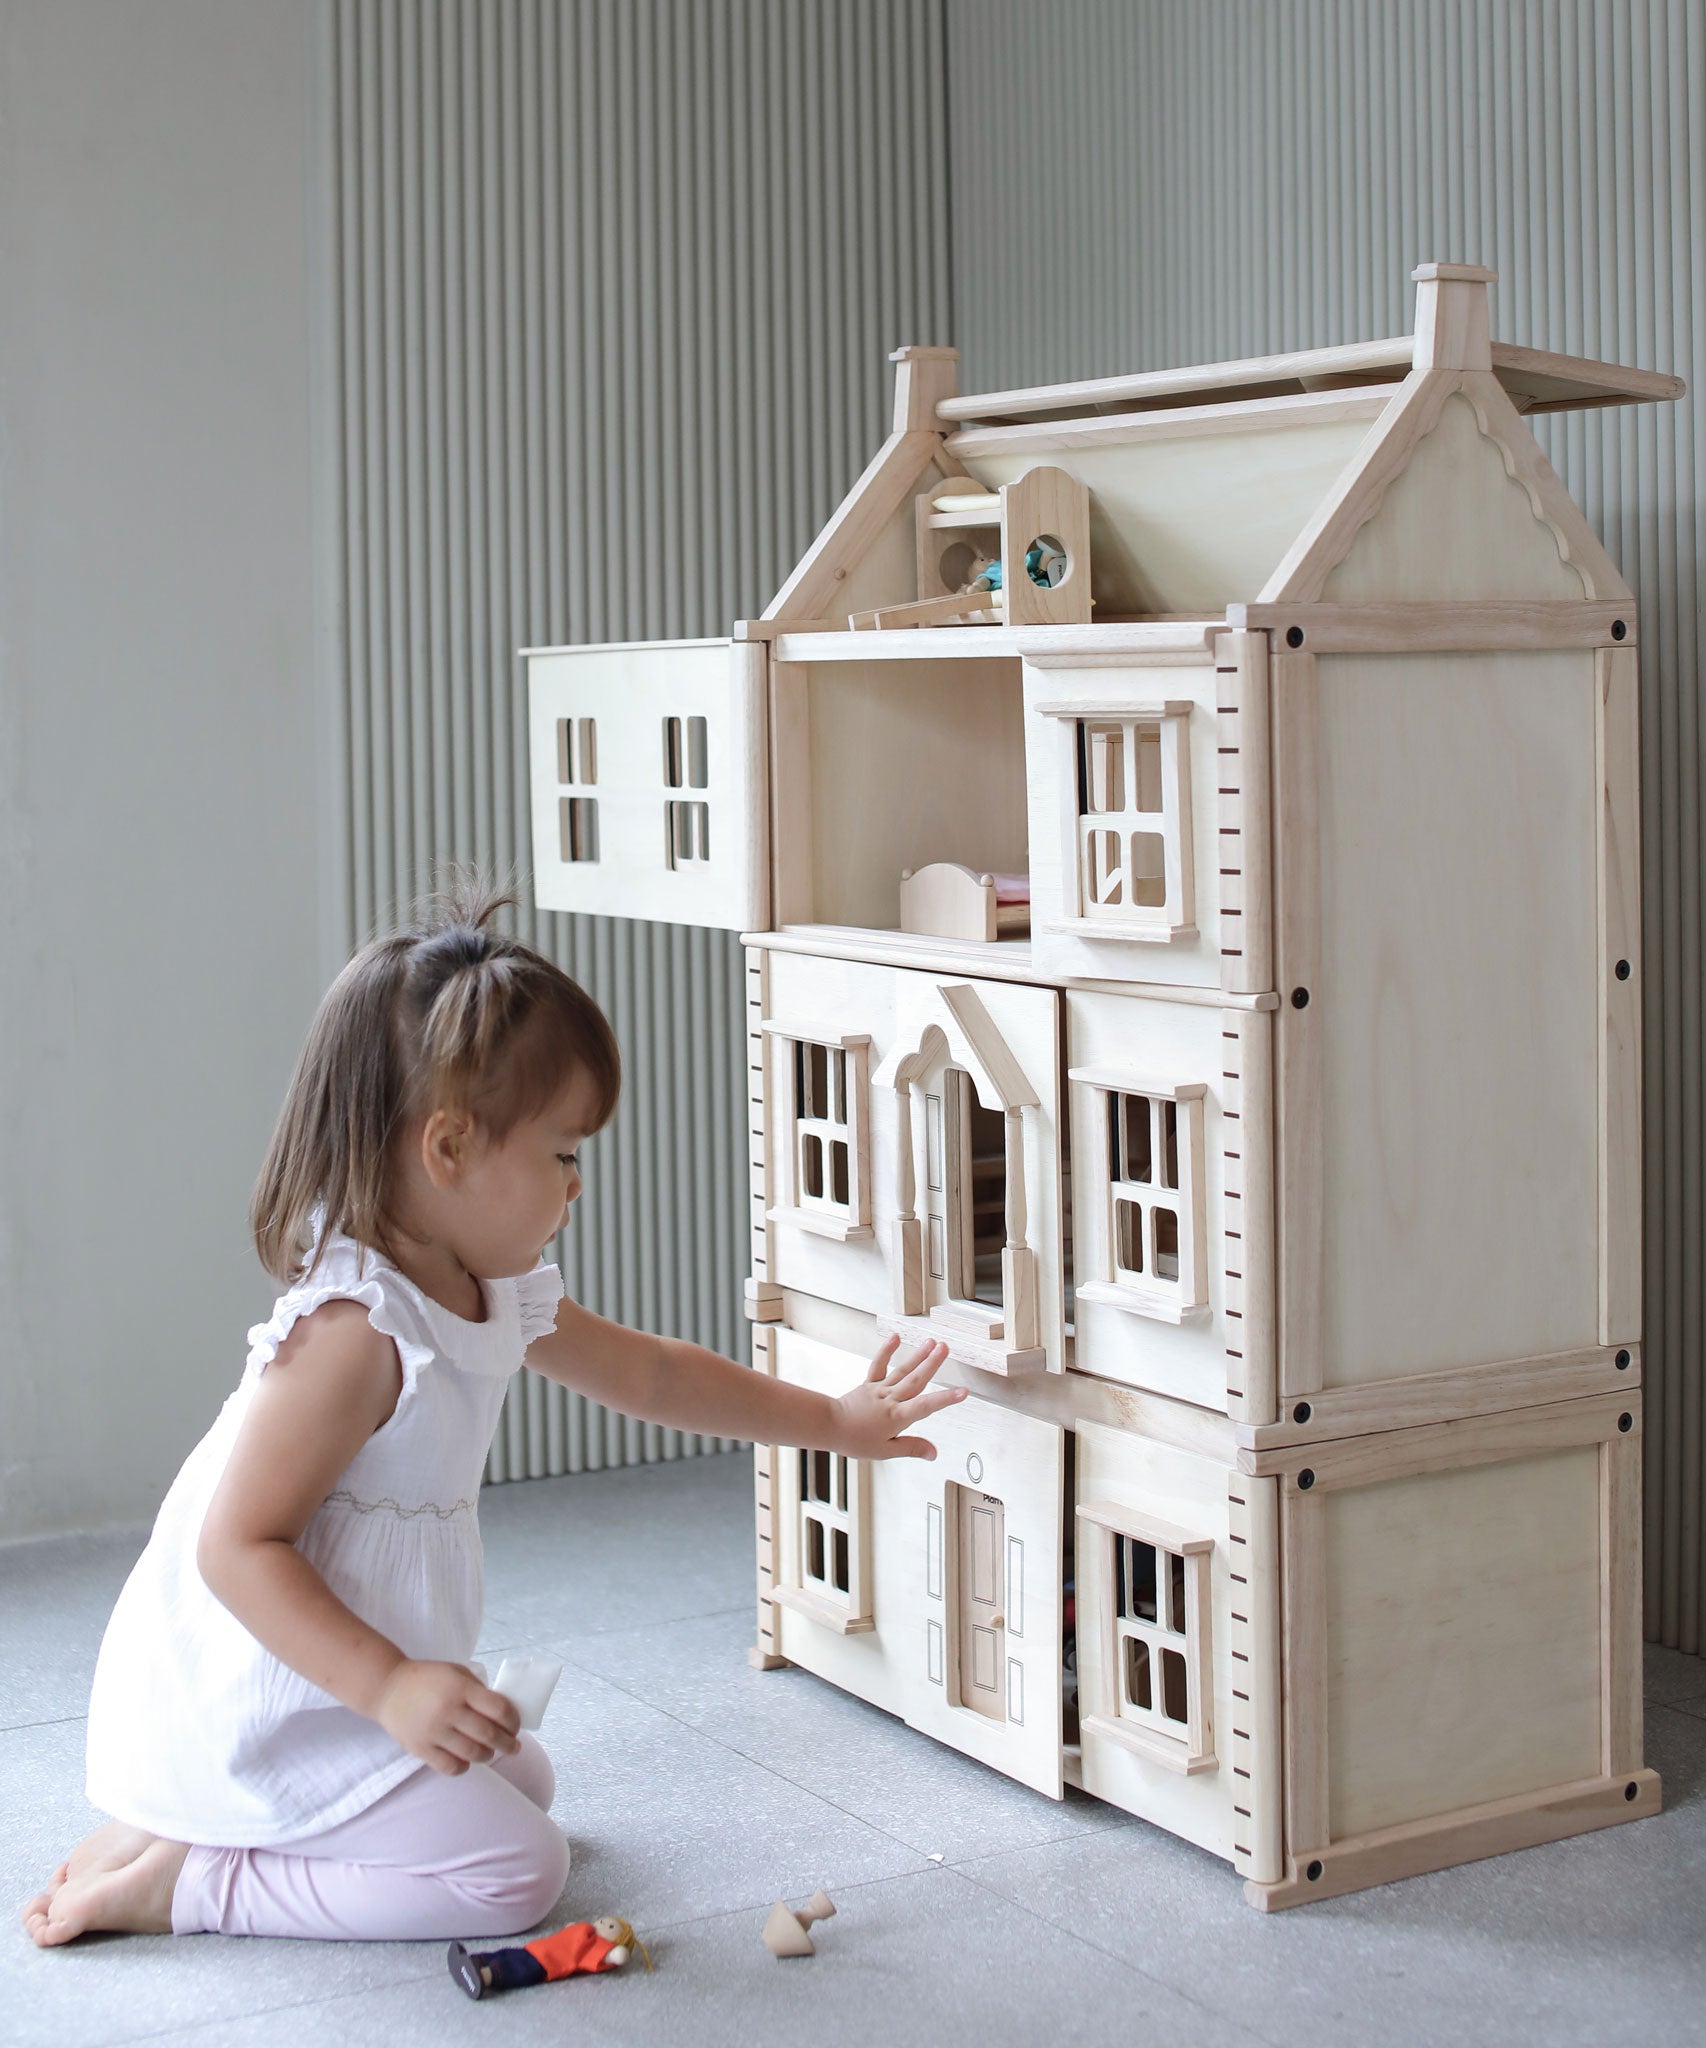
1133,847
826,1532
686,765
824,1572
577,772
1150,1141
824,1099
1150,1678
823,1127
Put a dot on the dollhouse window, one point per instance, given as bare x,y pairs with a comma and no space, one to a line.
824,1572
687,820
825,1110
1133,852
826,1553
823,1139
577,769
1150,1685
1151,1141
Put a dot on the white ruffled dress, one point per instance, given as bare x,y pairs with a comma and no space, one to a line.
196,1731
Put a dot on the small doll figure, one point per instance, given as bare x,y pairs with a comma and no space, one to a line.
584,1949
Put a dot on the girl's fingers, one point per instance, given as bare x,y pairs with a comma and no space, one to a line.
494,1707
491,1735
915,1377
912,1447
445,1764
880,1363
931,1402
468,1747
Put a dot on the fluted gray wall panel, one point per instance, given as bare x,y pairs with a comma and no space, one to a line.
612,285
1154,182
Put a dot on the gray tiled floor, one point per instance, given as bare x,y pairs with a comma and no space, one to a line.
695,1790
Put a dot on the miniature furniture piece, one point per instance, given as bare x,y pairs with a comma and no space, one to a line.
1279,1197
787,1931
947,901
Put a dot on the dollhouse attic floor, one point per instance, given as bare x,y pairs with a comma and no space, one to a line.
695,1790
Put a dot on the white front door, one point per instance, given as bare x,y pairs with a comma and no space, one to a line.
981,1594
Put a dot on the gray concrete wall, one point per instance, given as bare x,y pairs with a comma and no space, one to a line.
158,802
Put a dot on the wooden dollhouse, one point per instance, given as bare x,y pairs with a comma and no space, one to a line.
1185,828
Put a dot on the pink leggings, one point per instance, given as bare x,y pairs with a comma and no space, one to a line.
436,1859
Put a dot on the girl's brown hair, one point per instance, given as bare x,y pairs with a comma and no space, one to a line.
449,1015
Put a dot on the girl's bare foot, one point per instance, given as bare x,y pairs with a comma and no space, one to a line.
113,1843
120,1882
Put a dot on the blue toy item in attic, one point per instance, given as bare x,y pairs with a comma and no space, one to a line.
1044,564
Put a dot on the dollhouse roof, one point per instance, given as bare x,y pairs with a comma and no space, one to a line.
1537,380
1250,483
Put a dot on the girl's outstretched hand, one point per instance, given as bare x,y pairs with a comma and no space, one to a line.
872,1417
446,1716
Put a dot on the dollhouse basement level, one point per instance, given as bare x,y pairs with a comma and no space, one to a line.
1185,831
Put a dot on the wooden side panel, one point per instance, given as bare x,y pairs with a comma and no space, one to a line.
1616,692
1173,1487
1298,1162
1620,1597
1462,1639
1254,1748
1244,830
650,781
907,1662
763,1303
1455,1007
1247,1251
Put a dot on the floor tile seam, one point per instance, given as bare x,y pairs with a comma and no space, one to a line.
554,1642
843,1890
53,1721
1057,1927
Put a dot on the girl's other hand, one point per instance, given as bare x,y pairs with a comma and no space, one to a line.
892,1398
446,1716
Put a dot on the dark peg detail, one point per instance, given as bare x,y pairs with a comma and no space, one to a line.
1623,970
1623,1361
1314,1871
1626,1422
1294,636
1300,999
1301,1412
1305,1480
1619,629
1631,1790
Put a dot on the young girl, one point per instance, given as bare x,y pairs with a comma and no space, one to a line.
284,1722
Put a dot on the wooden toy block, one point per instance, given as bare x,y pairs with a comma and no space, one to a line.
1214,1011
787,1932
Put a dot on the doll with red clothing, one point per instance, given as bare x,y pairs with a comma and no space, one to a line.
584,1949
